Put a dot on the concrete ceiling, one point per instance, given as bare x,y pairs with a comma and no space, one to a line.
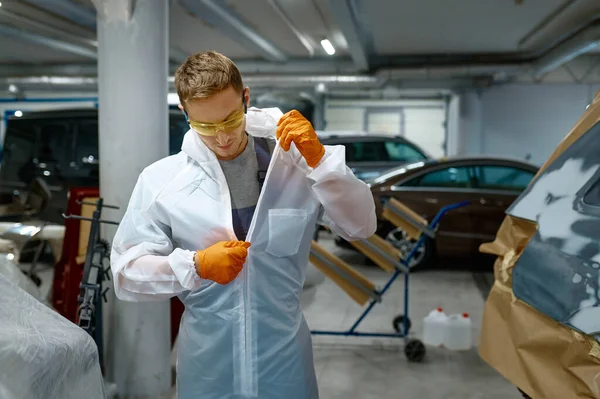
406,39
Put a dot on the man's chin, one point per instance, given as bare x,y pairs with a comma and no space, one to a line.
226,155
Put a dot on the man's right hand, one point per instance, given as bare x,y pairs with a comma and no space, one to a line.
221,262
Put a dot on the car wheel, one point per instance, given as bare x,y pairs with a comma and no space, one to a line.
423,255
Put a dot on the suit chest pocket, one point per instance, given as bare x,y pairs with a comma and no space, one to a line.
286,230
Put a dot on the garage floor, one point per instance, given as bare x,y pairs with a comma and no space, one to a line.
377,368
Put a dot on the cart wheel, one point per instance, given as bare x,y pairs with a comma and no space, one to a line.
414,350
398,324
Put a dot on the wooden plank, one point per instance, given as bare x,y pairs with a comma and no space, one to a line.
85,226
409,228
380,260
358,295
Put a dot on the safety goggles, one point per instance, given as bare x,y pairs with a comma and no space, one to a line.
211,129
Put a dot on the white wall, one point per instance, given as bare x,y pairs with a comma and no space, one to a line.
520,119
420,121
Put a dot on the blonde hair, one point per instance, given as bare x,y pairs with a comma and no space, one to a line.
205,74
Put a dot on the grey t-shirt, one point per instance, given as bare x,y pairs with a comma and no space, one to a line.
241,175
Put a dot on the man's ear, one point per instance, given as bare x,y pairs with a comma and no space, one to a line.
184,113
247,96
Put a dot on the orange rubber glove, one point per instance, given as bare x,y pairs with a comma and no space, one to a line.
221,262
293,127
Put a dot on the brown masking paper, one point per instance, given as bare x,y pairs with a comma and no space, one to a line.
544,358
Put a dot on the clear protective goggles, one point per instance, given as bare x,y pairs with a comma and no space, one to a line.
211,129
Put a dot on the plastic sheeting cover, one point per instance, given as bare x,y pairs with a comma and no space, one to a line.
42,354
10,270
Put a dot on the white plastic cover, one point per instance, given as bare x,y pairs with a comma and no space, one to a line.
42,354
10,270
248,338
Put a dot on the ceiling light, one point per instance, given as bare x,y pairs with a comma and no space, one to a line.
328,47
321,88
18,114
12,88
0,4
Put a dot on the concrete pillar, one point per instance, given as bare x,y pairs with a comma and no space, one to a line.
133,117
465,129
319,113
471,115
453,128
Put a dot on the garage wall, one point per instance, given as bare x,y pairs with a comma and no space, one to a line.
420,121
520,120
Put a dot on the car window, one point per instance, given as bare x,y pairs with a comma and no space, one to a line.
366,151
19,150
452,177
592,196
402,152
504,178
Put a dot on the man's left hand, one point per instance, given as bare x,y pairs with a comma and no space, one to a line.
293,127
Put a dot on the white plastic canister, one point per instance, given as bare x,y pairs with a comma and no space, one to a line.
433,327
458,332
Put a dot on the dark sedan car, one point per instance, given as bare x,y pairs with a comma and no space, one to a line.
370,154
490,184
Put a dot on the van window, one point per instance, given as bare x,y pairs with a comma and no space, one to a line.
177,129
87,143
85,162
19,150
53,146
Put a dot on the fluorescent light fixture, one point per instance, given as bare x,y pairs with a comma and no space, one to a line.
18,114
328,47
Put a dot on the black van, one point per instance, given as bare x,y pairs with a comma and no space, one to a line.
61,148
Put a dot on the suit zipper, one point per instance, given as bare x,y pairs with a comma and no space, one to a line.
249,382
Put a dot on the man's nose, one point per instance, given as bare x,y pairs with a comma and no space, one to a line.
221,138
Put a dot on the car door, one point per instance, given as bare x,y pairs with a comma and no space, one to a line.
431,191
498,186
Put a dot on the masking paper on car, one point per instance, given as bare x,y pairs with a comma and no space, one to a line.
42,354
542,318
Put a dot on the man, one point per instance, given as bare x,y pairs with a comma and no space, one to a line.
226,225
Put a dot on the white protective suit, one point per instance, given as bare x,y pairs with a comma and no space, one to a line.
249,338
